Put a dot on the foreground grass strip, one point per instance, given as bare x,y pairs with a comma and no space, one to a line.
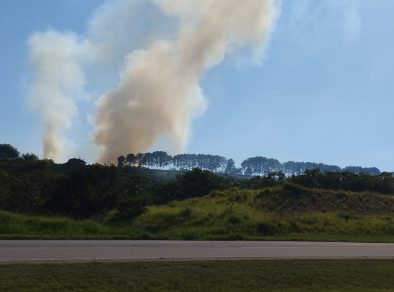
17,226
291,275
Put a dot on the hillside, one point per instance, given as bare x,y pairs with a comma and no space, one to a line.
287,212
42,199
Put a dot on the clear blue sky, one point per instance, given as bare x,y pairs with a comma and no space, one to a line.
324,93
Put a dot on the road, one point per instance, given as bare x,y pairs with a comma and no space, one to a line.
119,250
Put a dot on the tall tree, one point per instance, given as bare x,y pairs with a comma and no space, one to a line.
130,159
230,167
121,160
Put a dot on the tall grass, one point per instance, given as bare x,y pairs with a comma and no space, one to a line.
240,215
21,226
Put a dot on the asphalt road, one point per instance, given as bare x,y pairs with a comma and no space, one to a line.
119,250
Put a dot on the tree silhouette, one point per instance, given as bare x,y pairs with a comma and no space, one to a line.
8,152
30,156
121,160
230,167
130,159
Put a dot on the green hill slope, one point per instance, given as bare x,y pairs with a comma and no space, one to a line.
286,212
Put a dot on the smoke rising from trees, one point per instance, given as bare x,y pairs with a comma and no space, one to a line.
57,77
157,94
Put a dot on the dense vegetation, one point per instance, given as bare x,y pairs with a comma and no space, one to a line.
39,198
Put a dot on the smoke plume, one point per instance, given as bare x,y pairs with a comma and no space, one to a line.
158,93
54,60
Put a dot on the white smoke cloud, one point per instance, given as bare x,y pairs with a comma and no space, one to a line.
58,77
162,47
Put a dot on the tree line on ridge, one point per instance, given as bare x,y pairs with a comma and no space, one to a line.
253,166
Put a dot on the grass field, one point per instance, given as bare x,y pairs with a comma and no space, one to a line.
285,213
292,275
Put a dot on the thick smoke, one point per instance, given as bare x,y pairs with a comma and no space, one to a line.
58,77
158,94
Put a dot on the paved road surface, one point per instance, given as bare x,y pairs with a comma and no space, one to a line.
64,250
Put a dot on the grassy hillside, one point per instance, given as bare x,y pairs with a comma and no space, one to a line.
286,212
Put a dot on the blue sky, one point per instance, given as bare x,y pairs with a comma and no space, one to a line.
324,91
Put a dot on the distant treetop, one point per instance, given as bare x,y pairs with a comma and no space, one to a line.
8,152
76,162
253,166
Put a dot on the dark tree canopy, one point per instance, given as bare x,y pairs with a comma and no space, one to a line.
121,160
30,156
8,152
260,165
75,162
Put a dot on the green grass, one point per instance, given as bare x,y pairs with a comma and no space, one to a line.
15,226
292,275
243,214
282,213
